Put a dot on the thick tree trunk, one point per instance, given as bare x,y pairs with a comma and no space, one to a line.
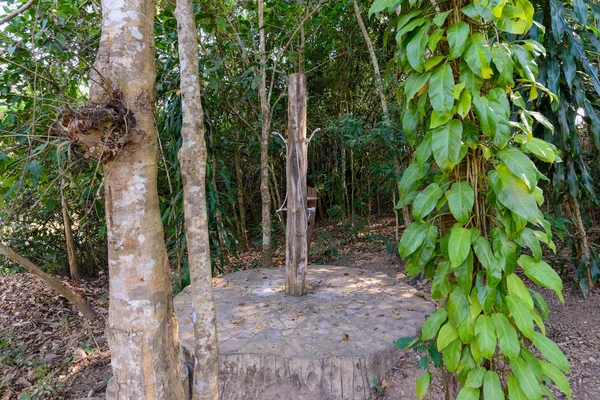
142,327
296,260
192,157
70,241
240,199
58,287
267,258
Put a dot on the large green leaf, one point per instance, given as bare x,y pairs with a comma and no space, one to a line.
513,193
516,288
452,355
380,5
557,377
507,336
521,315
477,55
446,336
458,307
426,200
412,238
445,144
441,89
414,83
542,274
459,245
423,384
412,176
468,393
460,201
543,150
457,35
504,64
514,389
415,49
475,377
492,389
426,251
484,254
433,323
526,379
520,165
551,351
485,335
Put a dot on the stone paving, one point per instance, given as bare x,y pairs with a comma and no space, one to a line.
330,344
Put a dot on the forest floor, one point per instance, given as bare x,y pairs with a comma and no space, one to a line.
47,351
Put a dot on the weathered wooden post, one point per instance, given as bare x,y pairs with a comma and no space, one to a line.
296,253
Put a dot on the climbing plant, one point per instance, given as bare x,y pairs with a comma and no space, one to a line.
470,78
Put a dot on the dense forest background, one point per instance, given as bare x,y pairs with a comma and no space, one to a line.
45,63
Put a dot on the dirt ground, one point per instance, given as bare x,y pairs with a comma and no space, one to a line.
47,351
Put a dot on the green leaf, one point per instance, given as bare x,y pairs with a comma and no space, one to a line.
460,201
521,315
458,35
423,151
445,144
452,355
542,149
485,336
466,329
529,239
434,39
441,89
432,62
513,193
477,55
412,238
380,5
475,377
446,336
426,200
540,303
557,377
520,165
484,254
550,351
433,323
440,18
507,336
468,393
410,121
423,384
406,342
459,245
414,82
542,274
502,59
458,307
514,389
516,288
464,104
412,177
426,251
492,389
526,379
415,49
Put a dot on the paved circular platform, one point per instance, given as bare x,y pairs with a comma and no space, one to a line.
330,344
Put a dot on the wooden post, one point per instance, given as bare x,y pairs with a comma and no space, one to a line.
297,215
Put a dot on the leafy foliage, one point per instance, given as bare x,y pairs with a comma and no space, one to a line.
474,190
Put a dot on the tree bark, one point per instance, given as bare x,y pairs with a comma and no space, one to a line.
240,198
267,257
70,241
296,266
142,327
192,157
58,287
585,245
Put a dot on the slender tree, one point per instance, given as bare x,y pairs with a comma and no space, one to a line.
142,327
192,157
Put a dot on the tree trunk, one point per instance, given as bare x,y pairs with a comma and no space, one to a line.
219,214
267,258
58,287
192,157
142,327
70,241
378,82
585,246
296,260
240,199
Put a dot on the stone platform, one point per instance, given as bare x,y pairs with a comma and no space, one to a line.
330,344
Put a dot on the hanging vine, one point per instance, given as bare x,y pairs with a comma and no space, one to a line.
474,193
